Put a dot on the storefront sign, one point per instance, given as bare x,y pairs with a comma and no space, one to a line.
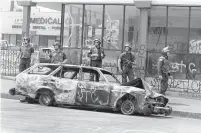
41,22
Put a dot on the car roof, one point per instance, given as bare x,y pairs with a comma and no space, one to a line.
75,66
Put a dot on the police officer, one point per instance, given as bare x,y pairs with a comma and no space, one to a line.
58,56
125,64
26,51
163,68
96,55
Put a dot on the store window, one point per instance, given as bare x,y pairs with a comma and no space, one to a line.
72,26
92,24
157,34
113,27
157,30
178,18
177,37
194,57
131,29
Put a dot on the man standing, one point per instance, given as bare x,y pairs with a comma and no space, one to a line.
125,64
58,56
163,68
25,54
96,55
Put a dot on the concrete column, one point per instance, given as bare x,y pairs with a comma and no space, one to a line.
27,4
144,7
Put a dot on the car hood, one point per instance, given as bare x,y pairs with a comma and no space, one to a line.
149,91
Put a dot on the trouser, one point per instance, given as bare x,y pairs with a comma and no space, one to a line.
164,84
24,64
95,63
127,72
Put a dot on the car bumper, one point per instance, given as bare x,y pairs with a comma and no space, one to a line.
162,110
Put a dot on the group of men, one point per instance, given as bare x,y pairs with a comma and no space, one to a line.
96,54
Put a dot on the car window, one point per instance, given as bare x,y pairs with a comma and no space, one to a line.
110,77
68,73
90,75
42,70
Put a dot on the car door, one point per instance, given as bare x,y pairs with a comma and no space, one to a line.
66,82
92,92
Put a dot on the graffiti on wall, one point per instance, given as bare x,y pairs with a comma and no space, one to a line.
195,47
183,86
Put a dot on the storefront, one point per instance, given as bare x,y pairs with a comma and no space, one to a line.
148,26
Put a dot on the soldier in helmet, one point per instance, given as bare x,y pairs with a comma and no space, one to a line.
125,63
25,54
163,68
96,55
26,51
58,56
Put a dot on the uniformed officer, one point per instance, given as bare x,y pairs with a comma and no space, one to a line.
58,56
125,64
96,55
25,54
163,68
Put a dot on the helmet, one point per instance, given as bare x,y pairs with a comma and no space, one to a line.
26,38
97,40
127,45
57,43
165,50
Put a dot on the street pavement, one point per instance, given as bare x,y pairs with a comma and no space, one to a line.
19,117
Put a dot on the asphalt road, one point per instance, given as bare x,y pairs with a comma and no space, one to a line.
19,117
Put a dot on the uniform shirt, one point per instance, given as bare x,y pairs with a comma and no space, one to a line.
98,51
126,58
26,51
163,66
57,56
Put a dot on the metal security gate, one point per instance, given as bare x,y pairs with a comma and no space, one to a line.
9,63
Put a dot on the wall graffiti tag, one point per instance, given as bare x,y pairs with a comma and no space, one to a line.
183,86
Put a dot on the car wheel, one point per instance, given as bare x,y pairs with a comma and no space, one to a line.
46,99
128,107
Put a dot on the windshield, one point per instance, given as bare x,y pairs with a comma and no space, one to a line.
110,77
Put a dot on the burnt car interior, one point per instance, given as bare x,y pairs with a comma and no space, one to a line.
135,83
68,73
90,75
43,70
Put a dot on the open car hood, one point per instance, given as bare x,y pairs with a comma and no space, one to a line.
140,83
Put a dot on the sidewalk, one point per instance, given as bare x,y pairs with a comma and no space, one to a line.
182,107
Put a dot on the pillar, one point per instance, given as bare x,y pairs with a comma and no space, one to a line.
144,7
27,4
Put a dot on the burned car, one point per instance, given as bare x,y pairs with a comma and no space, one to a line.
54,84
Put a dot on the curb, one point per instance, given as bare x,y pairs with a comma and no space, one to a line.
174,113
8,77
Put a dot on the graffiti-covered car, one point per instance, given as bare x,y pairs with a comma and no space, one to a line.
53,84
